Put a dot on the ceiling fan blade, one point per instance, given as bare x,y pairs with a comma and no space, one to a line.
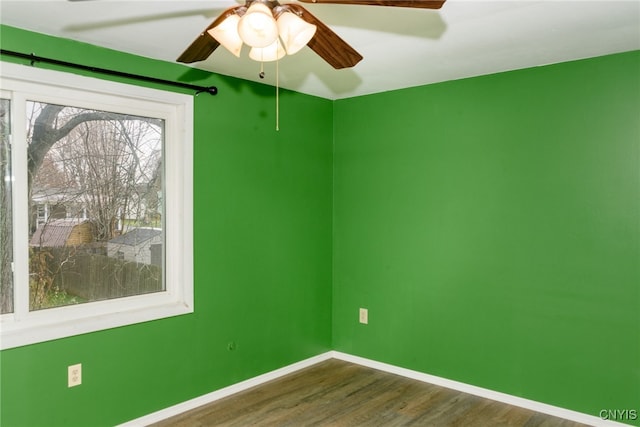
421,4
204,45
327,44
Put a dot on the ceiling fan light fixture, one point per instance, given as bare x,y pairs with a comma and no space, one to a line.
227,34
294,31
273,52
257,28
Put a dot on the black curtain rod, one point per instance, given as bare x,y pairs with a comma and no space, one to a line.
212,90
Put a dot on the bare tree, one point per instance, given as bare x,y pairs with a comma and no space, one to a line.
99,141
109,165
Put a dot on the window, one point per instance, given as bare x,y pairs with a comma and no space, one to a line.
96,197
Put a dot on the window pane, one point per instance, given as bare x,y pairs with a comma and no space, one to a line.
96,213
6,242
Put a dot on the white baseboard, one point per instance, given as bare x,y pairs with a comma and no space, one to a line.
431,379
224,392
481,392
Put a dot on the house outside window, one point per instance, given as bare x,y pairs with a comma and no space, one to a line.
96,174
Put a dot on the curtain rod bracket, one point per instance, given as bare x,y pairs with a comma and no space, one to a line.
211,90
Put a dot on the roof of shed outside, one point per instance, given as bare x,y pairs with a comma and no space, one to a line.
55,232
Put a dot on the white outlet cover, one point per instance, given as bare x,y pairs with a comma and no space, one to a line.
75,375
364,316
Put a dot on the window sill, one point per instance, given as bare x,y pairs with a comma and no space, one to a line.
39,328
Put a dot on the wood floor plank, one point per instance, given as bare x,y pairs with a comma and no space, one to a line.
336,393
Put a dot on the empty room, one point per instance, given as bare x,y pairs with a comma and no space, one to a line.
359,213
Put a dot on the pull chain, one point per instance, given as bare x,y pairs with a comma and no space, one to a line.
277,94
261,75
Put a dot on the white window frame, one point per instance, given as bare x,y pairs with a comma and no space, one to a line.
21,83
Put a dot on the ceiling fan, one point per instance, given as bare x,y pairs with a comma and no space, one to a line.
274,30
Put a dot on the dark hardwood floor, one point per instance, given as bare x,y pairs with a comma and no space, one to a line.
341,394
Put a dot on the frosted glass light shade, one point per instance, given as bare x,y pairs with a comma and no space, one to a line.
257,28
227,34
272,52
294,31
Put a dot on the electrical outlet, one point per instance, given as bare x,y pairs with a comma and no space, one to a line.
75,375
364,316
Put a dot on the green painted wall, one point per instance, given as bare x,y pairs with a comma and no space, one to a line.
492,228
263,202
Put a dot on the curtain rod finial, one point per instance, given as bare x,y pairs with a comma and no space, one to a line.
211,90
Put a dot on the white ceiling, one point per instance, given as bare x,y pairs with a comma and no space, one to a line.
401,47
